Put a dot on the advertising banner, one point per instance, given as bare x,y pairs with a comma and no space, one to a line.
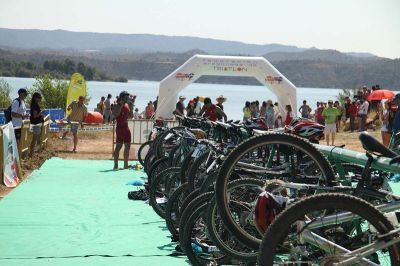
76,88
11,158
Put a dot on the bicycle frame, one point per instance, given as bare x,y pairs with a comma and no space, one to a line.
306,236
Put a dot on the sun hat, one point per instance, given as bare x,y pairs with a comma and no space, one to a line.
182,97
22,90
221,97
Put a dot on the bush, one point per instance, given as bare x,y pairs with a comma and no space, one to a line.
53,91
5,90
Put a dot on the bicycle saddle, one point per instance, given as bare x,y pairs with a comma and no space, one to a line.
372,145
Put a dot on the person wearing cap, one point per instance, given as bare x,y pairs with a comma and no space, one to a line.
330,115
122,111
18,113
363,113
180,107
220,100
76,118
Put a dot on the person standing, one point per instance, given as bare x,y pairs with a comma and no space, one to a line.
385,129
36,120
197,104
190,109
149,110
101,106
107,110
289,115
122,111
180,107
263,109
305,110
339,117
318,115
247,111
18,113
211,111
330,115
363,113
136,114
220,100
76,117
270,115
353,110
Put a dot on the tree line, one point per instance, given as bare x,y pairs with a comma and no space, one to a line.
56,68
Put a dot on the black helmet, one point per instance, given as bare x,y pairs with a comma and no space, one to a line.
123,93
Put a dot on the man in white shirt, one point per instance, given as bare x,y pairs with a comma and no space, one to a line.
363,113
197,107
18,112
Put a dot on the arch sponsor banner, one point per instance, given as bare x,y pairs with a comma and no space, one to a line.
76,88
10,157
235,66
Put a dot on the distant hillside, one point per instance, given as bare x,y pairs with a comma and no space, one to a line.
134,43
311,68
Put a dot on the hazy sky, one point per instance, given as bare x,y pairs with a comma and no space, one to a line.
345,25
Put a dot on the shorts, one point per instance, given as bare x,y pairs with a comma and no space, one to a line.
330,128
123,135
74,126
36,129
339,117
384,128
107,116
17,133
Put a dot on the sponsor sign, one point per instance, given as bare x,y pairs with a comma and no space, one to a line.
230,65
273,80
10,157
184,76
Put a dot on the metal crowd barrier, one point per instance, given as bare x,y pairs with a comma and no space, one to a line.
141,129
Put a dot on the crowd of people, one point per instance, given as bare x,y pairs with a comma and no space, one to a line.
355,113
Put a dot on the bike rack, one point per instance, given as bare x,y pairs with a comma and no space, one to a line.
344,155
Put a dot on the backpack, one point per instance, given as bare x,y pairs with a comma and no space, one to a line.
7,112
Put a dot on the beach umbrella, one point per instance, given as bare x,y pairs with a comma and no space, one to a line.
380,95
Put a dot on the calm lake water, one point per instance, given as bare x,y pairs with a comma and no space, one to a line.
148,90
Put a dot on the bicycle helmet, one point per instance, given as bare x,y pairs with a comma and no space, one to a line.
268,206
309,130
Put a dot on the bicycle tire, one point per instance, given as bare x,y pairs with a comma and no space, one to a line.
186,244
192,206
156,168
139,153
210,220
186,164
172,209
277,231
250,144
158,183
192,173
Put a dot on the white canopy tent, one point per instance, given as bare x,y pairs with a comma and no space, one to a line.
240,66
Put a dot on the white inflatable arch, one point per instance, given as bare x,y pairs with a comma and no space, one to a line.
239,66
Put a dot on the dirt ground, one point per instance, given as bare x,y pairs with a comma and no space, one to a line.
98,146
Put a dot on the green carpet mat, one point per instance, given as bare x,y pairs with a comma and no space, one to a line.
76,212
